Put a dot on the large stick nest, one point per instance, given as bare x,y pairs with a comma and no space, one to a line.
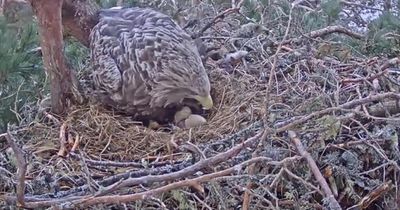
342,108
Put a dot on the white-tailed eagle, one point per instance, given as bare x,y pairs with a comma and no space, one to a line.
144,64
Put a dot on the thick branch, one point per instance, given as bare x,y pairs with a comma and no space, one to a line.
21,165
189,170
110,199
212,161
314,168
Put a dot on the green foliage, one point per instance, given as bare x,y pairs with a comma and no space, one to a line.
312,21
130,3
106,3
383,35
76,53
21,74
113,3
332,8
331,124
251,10
181,199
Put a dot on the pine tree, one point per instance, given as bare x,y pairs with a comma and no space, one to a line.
21,74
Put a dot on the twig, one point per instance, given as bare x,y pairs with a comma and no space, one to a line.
391,62
51,117
81,190
359,5
348,105
375,194
220,16
324,32
184,183
317,173
205,205
21,165
6,171
372,77
149,179
249,186
349,144
122,164
383,69
75,144
221,157
302,180
63,140
376,168
193,149
372,196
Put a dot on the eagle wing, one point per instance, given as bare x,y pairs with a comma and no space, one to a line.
130,49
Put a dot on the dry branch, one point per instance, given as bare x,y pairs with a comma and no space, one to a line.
343,107
333,204
323,32
149,179
375,194
21,166
220,16
179,184
204,163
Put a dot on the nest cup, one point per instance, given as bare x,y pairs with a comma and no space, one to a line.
105,135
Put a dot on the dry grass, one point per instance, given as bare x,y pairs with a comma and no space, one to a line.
104,135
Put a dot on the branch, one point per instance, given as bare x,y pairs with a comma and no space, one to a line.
220,16
112,199
324,32
383,69
204,163
21,165
333,204
82,201
149,179
370,78
138,164
348,105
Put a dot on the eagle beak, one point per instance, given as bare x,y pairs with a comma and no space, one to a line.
206,101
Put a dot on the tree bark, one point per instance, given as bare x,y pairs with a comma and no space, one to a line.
63,82
57,18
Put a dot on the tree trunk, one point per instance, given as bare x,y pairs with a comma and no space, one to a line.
77,18
62,79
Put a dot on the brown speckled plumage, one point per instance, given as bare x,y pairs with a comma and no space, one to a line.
144,62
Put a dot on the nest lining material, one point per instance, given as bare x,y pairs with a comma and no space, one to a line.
106,135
